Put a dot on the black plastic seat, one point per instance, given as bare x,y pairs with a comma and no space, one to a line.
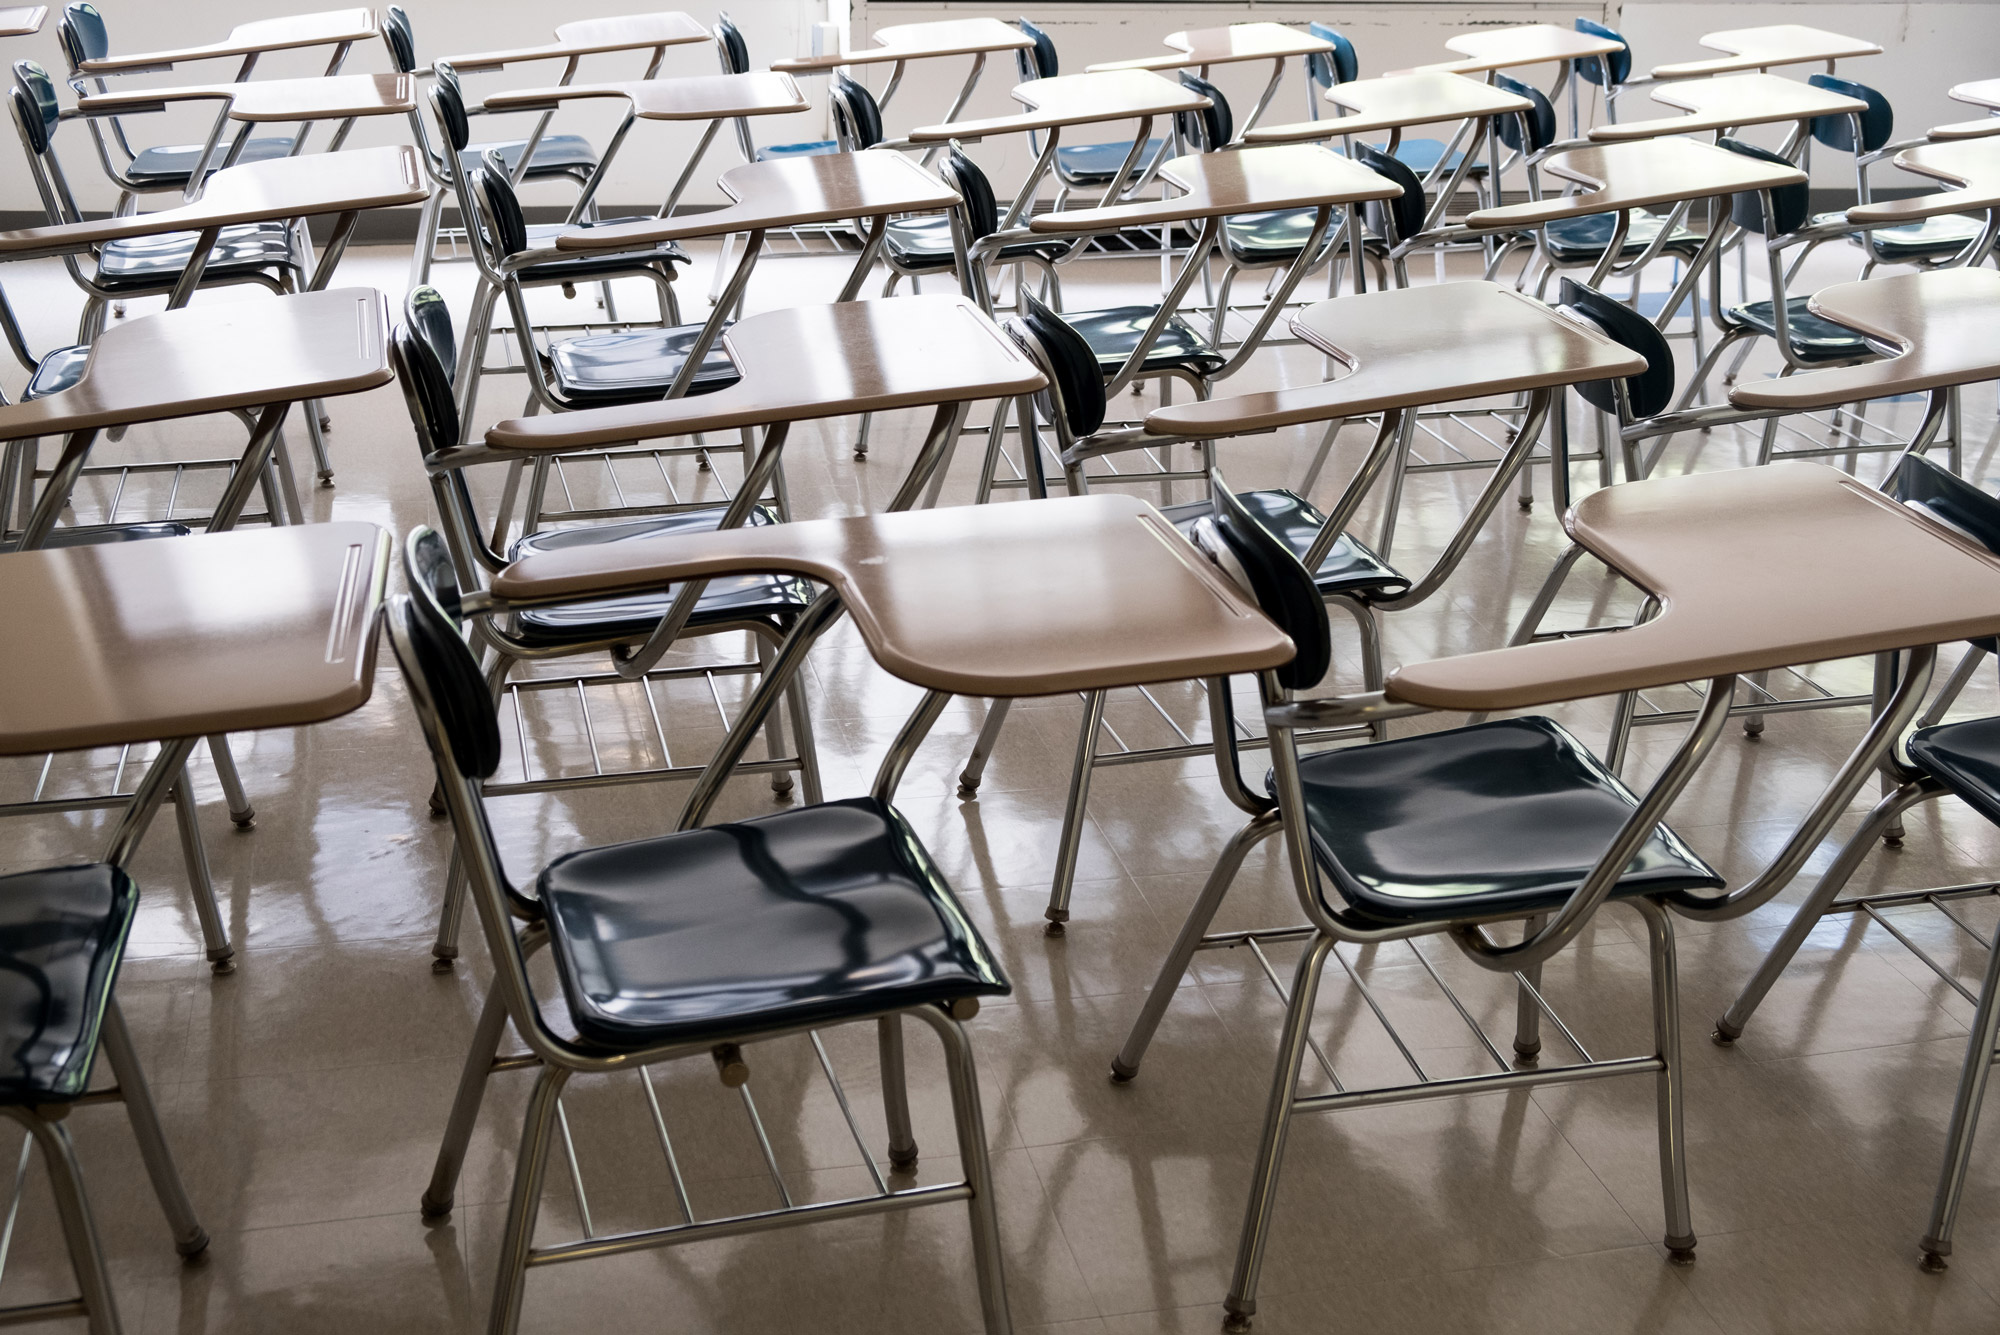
1421,156
150,261
593,266
1085,165
1964,757
1112,334
806,917
1814,338
1504,818
1928,239
556,155
634,366
1582,240
727,598
1350,566
925,243
171,165
57,372
62,934
1275,236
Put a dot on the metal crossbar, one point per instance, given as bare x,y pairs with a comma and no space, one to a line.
690,1228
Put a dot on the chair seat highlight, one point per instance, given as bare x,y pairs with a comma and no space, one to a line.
62,933
1929,239
1093,164
1112,334
1275,236
172,164
1350,567
57,372
543,235
1502,819
556,155
158,261
729,598
805,917
1582,240
1813,338
635,366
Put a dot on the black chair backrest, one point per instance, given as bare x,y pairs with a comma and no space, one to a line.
448,678
1211,127
729,43
1405,213
504,225
856,112
1076,382
35,106
1878,122
1605,71
82,34
1652,389
1340,65
448,109
1944,495
431,576
1280,583
1789,202
982,210
423,364
1540,118
1037,61
400,38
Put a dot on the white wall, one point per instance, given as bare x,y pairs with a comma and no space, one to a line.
1930,45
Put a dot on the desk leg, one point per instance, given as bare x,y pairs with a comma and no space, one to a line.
250,471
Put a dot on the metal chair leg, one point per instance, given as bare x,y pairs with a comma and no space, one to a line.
1528,1015
802,738
86,1255
511,1277
1680,1238
774,729
970,1123
214,933
1125,1066
190,1238
241,813
1073,813
1972,1077
1241,1304
982,748
444,949
465,1105
1730,1027
896,1094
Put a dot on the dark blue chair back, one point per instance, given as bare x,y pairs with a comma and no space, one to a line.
1649,392
1605,71
729,40
1540,118
35,104
1340,65
1074,375
1790,202
1037,61
1406,211
1211,127
1878,122
82,34
855,108
1280,583
400,38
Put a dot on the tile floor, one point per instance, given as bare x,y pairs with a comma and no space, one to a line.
305,1092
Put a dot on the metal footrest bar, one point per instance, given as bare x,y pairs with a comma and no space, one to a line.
1480,1084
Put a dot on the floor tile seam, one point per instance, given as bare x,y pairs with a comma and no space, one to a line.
1055,1218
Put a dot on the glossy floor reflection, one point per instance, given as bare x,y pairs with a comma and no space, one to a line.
306,1092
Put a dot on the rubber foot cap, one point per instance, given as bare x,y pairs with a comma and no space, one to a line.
194,1246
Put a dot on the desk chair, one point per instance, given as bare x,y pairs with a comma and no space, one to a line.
735,55
143,171
1078,166
1367,865
557,157
764,607
1432,159
699,942
267,254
